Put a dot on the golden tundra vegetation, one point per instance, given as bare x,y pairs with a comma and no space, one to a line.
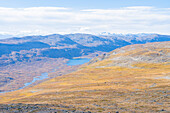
134,78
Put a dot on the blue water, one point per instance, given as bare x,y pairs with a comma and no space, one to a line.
43,76
71,62
78,61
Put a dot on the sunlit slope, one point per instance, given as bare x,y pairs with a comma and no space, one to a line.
132,78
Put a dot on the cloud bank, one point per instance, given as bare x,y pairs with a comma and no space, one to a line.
49,20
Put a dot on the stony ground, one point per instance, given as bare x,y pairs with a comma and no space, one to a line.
36,108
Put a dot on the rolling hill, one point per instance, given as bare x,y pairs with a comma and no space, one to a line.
26,48
27,57
134,78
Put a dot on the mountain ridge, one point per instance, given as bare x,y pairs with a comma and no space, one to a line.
83,44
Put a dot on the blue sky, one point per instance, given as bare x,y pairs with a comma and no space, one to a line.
81,4
42,17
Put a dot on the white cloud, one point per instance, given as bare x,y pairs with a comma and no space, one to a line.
47,20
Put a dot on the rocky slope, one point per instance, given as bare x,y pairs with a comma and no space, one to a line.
128,55
134,78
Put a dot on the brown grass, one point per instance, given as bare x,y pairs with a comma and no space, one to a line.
106,89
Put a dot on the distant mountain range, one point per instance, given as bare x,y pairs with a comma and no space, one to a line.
67,46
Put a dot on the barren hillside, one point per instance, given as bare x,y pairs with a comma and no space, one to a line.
134,78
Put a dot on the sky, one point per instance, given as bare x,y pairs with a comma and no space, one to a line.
43,17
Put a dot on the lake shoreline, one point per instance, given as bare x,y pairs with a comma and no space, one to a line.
70,62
